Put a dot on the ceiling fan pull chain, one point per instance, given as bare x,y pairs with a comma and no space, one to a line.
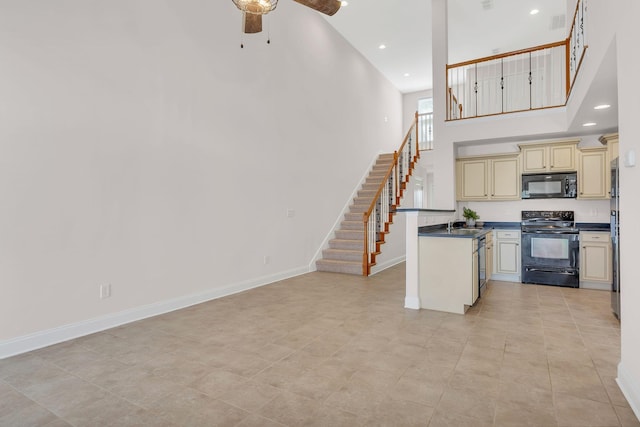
268,30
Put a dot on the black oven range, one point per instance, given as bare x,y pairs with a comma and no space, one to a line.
550,248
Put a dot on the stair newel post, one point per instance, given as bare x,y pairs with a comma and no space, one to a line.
365,251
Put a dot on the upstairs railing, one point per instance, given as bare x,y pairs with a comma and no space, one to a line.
377,218
528,79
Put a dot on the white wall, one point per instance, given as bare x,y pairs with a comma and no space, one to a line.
410,105
628,34
141,147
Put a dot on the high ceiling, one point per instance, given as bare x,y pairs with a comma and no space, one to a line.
477,28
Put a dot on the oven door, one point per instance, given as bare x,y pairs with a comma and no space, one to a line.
550,258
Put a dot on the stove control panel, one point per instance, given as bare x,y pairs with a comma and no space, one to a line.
547,215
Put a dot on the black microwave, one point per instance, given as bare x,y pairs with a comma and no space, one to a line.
550,186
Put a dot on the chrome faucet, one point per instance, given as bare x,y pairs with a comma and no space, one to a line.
449,227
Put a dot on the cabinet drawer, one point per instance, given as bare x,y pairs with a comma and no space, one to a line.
508,234
595,237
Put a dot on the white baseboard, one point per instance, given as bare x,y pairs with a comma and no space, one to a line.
630,389
387,264
505,277
412,302
60,334
595,285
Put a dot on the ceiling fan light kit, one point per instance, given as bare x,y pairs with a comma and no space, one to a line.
254,9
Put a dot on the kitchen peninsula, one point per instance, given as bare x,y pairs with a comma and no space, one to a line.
452,267
442,262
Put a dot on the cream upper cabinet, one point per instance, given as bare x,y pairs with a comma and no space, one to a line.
549,157
488,178
505,178
595,258
611,141
594,173
471,178
534,159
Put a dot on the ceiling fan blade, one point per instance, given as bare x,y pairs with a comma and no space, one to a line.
252,23
328,7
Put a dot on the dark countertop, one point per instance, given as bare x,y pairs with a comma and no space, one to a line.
460,231
594,226
424,210
440,230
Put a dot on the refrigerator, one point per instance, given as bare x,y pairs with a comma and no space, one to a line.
615,238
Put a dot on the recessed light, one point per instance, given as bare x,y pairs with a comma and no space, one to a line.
588,124
601,107
344,3
407,74
534,12
382,46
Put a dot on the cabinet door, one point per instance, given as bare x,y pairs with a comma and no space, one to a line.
562,158
595,257
595,262
473,180
507,256
505,179
534,159
593,175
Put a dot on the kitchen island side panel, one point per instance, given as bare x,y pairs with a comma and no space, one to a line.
446,276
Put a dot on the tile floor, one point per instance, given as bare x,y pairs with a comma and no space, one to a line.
333,350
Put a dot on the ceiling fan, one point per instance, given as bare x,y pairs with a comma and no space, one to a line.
254,9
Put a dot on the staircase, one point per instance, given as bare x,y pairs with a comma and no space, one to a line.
364,228
344,254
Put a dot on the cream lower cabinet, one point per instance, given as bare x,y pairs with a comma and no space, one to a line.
506,254
595,260
488,178
594,180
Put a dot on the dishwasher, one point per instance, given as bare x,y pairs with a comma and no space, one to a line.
482,265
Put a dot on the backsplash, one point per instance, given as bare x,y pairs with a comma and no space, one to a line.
585,210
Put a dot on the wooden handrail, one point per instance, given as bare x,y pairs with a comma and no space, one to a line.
573,24
508,54
573,21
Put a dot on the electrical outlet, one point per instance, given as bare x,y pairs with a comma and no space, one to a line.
291,213
267,259
105,290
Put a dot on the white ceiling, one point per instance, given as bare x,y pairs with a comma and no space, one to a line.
477,28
